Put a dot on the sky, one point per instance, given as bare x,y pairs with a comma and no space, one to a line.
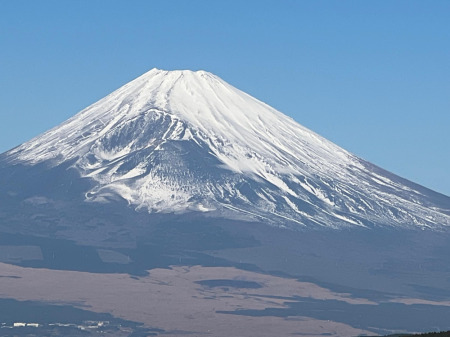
371,76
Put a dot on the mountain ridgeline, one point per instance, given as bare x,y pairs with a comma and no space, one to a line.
177,142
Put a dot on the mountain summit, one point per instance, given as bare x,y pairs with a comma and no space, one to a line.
183,141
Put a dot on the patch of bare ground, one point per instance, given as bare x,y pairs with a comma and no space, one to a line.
174,300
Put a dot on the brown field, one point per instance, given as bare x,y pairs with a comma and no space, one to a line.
170,299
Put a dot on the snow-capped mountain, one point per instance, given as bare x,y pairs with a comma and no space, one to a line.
182,141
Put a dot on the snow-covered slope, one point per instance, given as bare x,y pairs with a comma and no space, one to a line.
177,141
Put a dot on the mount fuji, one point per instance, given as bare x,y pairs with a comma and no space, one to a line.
179,204
183,141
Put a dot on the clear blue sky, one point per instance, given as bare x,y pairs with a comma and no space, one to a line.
372,76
